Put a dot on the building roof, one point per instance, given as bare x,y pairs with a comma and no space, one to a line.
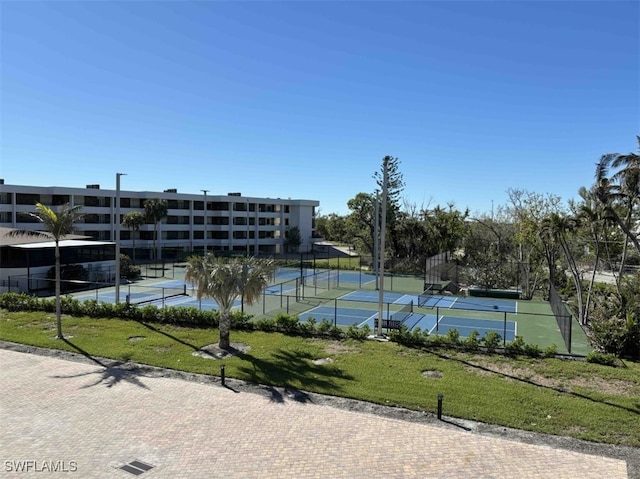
13,237
62,244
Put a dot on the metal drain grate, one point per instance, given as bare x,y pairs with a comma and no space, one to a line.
136,467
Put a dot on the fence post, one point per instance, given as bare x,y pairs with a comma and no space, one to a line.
504,343
335,313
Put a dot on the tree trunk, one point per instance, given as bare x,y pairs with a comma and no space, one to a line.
133,237
58,309
224,326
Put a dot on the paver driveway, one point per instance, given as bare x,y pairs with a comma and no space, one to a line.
88,421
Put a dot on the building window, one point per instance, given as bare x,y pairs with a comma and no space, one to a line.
27,199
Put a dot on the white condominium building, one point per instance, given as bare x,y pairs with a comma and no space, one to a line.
231,222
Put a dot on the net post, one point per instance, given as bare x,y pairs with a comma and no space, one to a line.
437,318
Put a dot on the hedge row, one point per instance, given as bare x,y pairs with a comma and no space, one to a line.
490,343
95,309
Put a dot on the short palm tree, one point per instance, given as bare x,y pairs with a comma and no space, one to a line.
133,221
226,280
155,210
57,226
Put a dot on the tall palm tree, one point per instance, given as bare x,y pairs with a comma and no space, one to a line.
133,221
155,210
225,280
620,192
57,226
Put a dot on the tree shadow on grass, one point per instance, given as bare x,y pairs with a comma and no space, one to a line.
170,336
111,373
285,368
533,383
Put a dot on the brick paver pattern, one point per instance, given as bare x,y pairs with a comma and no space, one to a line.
56,410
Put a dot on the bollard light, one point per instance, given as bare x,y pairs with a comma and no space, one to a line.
440,396
222,375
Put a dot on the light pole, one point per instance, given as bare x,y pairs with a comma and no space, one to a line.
376,235
205,221
117,235
383,230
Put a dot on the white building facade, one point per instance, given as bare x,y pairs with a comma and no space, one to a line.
231,223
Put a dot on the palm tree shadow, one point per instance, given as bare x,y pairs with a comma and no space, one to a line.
170,336
285,368
110,374
635,410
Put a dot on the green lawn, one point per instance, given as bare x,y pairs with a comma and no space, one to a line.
573,398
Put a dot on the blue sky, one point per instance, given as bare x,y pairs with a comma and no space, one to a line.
303,99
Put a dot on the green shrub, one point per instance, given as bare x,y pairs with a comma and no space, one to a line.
436,341
515,347
325,326
532,350
266,324
149,313
453,337
413,338
492,341
309,326
597,357
287,323
240,320
472,342
359,334
550,351
20,302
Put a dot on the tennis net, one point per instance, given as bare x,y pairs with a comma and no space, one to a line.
150,294
562,317
423,297
402,314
